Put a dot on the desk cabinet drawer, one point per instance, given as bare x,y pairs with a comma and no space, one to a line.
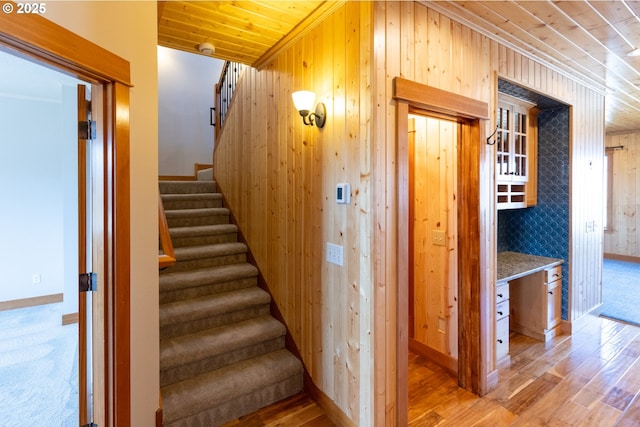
502,310
502,338
553,274
502,292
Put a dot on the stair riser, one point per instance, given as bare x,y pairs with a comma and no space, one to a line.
213,321
191,204
200,291
189,221
196,264
183,187
204,240
172,375
242,405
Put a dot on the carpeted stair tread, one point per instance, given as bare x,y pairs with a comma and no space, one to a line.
181,213
203,235
190,196
199,230
206,251
173,187
199,216
187,400
211,305
206,276
191,201
189,348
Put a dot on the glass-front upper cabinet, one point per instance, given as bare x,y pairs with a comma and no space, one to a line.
512,139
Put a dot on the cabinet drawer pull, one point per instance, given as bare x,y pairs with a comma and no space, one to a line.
500,313
550,292
500,341
556,275
500,295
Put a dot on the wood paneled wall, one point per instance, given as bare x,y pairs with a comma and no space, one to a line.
435,266
414,41
623,236
279,178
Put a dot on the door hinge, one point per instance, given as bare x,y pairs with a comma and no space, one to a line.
87,129
88,282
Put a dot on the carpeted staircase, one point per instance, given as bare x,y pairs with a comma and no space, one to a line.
222,355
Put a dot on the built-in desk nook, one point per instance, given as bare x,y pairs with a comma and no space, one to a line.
528,298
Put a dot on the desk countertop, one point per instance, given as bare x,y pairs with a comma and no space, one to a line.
512,265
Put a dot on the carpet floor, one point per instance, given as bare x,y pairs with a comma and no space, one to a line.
38,368
621,291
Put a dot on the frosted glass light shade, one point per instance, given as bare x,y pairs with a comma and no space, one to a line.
303,100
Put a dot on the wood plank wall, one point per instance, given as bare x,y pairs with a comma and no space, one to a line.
279,178
623,236
435,277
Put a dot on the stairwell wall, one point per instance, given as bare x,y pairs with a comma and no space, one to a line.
279,178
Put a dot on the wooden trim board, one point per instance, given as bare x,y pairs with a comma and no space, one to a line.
31,302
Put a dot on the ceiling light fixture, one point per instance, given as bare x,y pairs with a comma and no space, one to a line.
206,48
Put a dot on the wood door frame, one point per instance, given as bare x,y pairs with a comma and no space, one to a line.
37,39
474,317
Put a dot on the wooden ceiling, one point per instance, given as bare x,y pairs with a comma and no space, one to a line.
241,31
588,40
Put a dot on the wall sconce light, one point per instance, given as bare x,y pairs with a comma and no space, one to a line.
303,100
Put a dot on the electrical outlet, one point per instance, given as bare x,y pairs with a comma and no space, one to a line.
36,278
335,254
439,238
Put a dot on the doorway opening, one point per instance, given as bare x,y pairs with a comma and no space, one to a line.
474,221
621,265
38,288
433,253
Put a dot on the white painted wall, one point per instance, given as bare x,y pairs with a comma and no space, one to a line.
186,84
129,29
39,195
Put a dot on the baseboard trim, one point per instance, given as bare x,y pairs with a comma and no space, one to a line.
332,410
622,257
446,362
68,319
578,323
31,302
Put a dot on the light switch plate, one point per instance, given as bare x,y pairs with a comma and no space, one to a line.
335,254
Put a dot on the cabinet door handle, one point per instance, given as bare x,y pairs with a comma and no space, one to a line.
550,292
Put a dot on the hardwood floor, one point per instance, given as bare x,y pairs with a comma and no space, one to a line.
591,378
297,411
